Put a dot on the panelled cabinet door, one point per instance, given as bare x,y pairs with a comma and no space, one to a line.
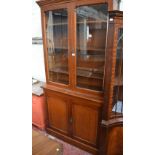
58,113
85,123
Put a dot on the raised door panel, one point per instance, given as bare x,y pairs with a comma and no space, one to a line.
58,113
85,123
115,142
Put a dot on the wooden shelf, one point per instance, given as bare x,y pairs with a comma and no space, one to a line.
80,49
91,49
60,48
90,76
88,22
90,73
57,24
91,58
92,22
83,56
83,72
60,70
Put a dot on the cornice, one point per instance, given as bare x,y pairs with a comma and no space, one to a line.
46,2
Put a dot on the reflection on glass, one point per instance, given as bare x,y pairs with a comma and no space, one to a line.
57,43
91,41
118,86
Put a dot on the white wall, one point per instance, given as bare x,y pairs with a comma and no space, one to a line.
38,70
36,20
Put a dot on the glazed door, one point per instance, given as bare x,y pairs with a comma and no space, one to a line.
75,46
91,33
117,105
57,46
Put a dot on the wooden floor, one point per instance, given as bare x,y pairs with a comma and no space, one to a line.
42,145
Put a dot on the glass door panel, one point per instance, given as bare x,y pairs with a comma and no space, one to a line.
118,85
91,42
57,45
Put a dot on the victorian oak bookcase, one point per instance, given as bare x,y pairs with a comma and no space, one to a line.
81,91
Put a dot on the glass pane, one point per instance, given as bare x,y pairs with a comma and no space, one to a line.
118,86
57,44
91,42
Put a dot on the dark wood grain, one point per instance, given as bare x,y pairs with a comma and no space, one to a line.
115,142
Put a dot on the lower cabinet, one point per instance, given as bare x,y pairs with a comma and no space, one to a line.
76,118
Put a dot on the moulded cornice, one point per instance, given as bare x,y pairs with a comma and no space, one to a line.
45,2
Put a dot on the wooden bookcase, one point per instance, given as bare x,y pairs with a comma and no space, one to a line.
80,48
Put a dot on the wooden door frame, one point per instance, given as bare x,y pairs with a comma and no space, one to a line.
44,22
75,4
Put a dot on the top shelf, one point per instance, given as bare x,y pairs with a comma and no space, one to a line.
87,22
81,49
93,22
57,24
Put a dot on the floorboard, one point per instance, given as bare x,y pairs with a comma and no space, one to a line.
42,145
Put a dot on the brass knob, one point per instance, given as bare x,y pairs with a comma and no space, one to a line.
71,120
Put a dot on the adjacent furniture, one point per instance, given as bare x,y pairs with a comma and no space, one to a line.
83,62
38,106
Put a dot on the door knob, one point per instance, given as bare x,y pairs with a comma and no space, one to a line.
71,120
